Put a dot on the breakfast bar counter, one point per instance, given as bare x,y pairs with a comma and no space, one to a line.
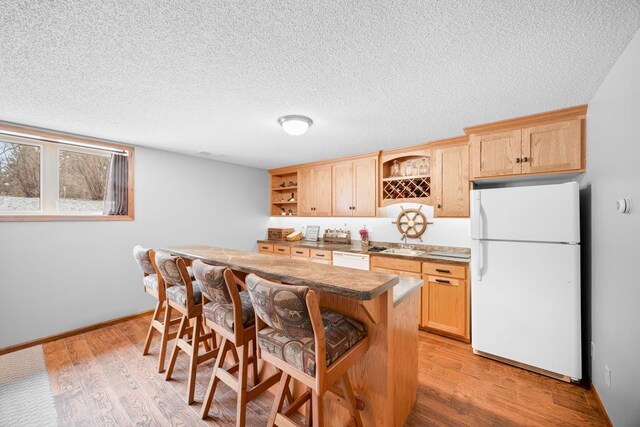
386,377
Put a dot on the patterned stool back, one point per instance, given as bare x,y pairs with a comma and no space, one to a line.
211,279
143,259
281,307
168,268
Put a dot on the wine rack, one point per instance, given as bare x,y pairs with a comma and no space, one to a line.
406,187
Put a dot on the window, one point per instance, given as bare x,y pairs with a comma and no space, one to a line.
43,178
82,181
20,169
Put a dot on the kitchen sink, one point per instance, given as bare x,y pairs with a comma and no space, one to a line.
405,252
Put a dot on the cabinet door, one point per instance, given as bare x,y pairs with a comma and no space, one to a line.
306,192
322,186
552,148
451,181
343,189
444,305
496,154
364,187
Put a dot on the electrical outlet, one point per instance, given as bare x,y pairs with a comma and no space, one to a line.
593,350
607,376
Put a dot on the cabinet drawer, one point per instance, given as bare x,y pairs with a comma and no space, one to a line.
396,264
266,248
444,281
320,254
300,252
281,250
445,270
396,272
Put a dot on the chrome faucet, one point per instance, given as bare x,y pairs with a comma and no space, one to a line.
404,246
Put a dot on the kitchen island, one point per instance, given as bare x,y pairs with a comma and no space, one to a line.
386,377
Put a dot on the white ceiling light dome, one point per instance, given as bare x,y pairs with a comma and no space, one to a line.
295,125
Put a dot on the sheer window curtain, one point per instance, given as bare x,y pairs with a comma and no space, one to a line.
116,195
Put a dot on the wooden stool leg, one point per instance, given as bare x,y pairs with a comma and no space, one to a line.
174,353
254,364
241,411
351,399
318,410
278,403
308,410
193,365
211,390
164,339
156,316
205,330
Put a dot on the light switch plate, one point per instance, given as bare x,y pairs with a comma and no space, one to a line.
607,376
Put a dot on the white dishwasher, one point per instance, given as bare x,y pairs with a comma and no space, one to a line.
351,260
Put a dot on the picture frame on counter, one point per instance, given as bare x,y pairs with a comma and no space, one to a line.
312,233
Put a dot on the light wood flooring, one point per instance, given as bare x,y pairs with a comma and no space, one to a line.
101,378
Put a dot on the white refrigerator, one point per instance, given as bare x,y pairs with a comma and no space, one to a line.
525,277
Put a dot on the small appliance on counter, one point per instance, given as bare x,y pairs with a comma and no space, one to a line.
279,233
337,236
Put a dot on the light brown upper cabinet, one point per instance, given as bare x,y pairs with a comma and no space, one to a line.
314,189
545,143
451,181
496,154
551,148
354,187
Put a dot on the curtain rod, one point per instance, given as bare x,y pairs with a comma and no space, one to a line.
64,142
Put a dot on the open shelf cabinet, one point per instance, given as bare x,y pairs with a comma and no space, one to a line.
284,194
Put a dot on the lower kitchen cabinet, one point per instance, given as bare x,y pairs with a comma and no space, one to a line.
282,250
445,300
399,267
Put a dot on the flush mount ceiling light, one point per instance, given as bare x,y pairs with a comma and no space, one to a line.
295,125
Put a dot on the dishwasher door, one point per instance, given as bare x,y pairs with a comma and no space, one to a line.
351,260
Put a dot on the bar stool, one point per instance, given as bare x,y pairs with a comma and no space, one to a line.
228,312
316,347
154,286
184,295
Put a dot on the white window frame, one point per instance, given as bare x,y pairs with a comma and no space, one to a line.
50,180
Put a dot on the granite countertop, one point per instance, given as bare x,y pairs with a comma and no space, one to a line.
348,282
356,247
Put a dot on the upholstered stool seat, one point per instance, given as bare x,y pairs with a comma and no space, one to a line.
154,285
151,281
341,333
311,345
227,310
178,294
185,296
222,313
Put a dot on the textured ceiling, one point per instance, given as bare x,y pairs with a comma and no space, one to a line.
191,76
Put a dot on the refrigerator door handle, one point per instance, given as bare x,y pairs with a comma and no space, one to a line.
476,218
477,262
